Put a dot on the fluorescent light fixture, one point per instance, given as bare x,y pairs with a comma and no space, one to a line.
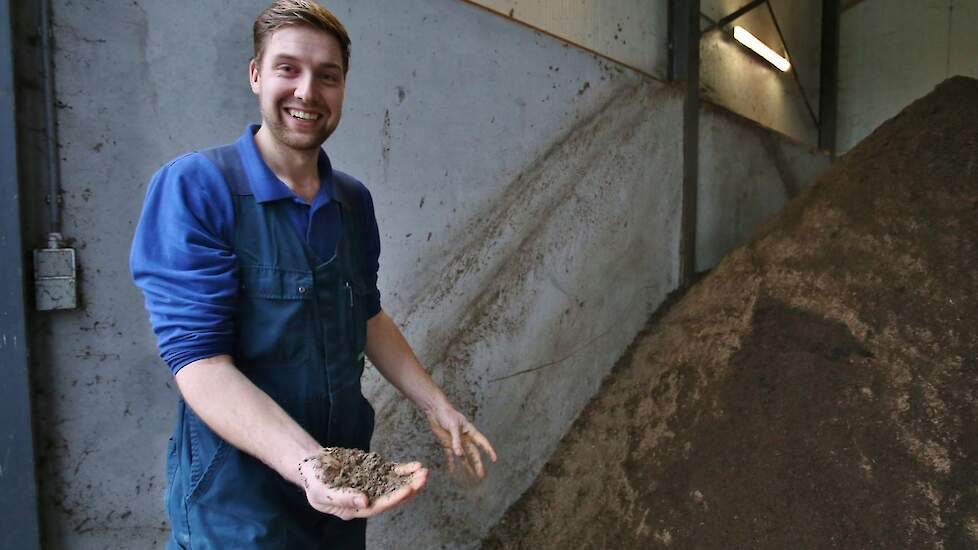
760,48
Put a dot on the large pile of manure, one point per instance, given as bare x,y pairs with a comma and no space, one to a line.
818,389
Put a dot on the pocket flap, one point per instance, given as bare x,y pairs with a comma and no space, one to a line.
275,283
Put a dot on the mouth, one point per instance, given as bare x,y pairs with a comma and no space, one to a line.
304,115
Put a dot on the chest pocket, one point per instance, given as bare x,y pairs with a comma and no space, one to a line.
274,315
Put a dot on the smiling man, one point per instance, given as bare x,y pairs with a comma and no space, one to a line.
259,263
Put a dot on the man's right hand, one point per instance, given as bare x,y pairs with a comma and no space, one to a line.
348,504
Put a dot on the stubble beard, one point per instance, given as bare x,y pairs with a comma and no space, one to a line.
291,139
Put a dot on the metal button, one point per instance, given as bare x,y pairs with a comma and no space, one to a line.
302,290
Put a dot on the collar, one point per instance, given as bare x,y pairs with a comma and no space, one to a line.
265,184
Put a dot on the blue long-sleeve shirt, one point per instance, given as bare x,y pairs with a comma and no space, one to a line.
183,257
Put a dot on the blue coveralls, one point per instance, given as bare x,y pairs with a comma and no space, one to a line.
301,329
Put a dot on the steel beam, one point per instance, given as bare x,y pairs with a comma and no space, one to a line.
828,82
18,485
684,65
727,19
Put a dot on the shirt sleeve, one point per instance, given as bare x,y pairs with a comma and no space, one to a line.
183,261
371,247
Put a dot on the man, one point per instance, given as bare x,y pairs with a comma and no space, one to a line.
258,263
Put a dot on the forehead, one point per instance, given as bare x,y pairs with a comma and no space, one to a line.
305,44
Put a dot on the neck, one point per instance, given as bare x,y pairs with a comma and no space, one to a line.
298,169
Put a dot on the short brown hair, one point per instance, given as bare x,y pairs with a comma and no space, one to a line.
299,12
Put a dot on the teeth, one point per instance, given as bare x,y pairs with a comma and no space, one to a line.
304,115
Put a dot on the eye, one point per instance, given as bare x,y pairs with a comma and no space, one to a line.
329,77
287,69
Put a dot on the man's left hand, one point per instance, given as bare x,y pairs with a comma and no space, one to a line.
459,438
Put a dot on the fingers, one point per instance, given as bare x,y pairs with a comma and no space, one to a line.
388,501
448,430
473,460
323,496
449,459
346,499
378,506
348,504
456,439
444,439
474,441
419,477
443,435
407,468
470,469
482,442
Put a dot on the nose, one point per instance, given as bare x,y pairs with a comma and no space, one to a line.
304,88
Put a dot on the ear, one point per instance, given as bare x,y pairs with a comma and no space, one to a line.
254,76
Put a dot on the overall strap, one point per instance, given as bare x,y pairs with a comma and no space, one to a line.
347,191
228,161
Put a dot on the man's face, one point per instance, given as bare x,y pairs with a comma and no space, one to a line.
299,86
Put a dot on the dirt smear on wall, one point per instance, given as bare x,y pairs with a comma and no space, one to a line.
819,389
521,301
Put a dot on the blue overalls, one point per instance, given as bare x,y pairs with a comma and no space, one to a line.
301,329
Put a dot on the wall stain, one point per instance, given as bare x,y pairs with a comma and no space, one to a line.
385,147
501,261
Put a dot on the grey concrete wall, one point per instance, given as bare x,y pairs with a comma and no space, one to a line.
636,33
736,78
551,285
892,52
747,173
528,196
633,32
507,169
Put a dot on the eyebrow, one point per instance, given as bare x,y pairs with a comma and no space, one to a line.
286,57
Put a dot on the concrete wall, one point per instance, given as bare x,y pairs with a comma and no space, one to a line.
636,33
736,78
747,173
895,51
507,170
632,32
528,196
